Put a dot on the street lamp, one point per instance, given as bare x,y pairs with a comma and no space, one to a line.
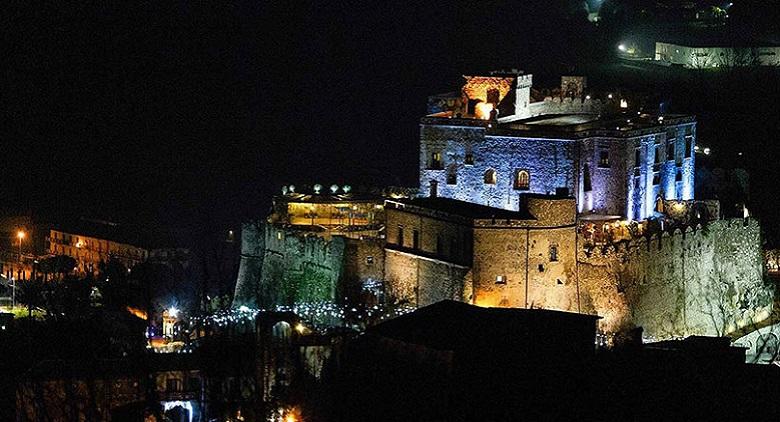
20,235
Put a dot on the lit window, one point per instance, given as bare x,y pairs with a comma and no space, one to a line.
490,177
469,160
500,279
278,235
435,161
522,179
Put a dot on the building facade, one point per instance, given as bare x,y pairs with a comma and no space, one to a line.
613,165
91,252
716,55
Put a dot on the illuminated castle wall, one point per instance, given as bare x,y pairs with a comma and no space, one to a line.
616,163
621,172
518,207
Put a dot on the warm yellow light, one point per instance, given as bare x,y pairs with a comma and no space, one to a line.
290,418
679,206
483,110
300,328
20,234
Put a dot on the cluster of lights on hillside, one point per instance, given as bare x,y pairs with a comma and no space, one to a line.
319,315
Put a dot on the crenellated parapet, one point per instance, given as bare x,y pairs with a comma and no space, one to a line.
688,280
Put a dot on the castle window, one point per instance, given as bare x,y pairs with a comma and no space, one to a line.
279,235
659,204
370,260
604,158
587,187
452,175
656,179
688,146
553,253
490,177
415,239
678,176
434,189
670,151
469,159
435,163
500,279
400,235
522,179
637,154
658,155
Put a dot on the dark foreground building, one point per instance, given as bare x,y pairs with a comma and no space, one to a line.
454,361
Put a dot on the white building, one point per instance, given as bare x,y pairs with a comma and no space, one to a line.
710,56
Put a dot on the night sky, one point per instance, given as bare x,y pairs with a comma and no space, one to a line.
167,111
187,113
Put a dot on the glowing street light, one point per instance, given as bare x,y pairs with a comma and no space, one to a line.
622,47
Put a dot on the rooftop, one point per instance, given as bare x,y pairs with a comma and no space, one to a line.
463,209
570,126
451,325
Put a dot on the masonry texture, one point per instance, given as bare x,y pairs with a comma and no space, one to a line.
555,204
704,281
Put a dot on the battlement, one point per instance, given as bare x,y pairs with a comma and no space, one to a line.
666,239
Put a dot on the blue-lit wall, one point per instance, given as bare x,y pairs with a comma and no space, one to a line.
626,185
550,164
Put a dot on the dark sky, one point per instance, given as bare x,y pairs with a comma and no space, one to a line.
183,112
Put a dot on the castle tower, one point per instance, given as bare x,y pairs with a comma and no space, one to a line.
523,96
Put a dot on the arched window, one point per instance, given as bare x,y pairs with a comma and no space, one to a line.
659,204
490,177
522,179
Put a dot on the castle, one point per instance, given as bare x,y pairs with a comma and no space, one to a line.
575,203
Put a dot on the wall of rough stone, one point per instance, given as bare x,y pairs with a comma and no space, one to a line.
252,253
523,257
284,266
423,281
549,162
707,281
364,266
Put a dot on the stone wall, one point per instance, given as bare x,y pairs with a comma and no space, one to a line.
551,164
364,267
252,254
283,266
707,281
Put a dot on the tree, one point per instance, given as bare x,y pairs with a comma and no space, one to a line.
31,294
